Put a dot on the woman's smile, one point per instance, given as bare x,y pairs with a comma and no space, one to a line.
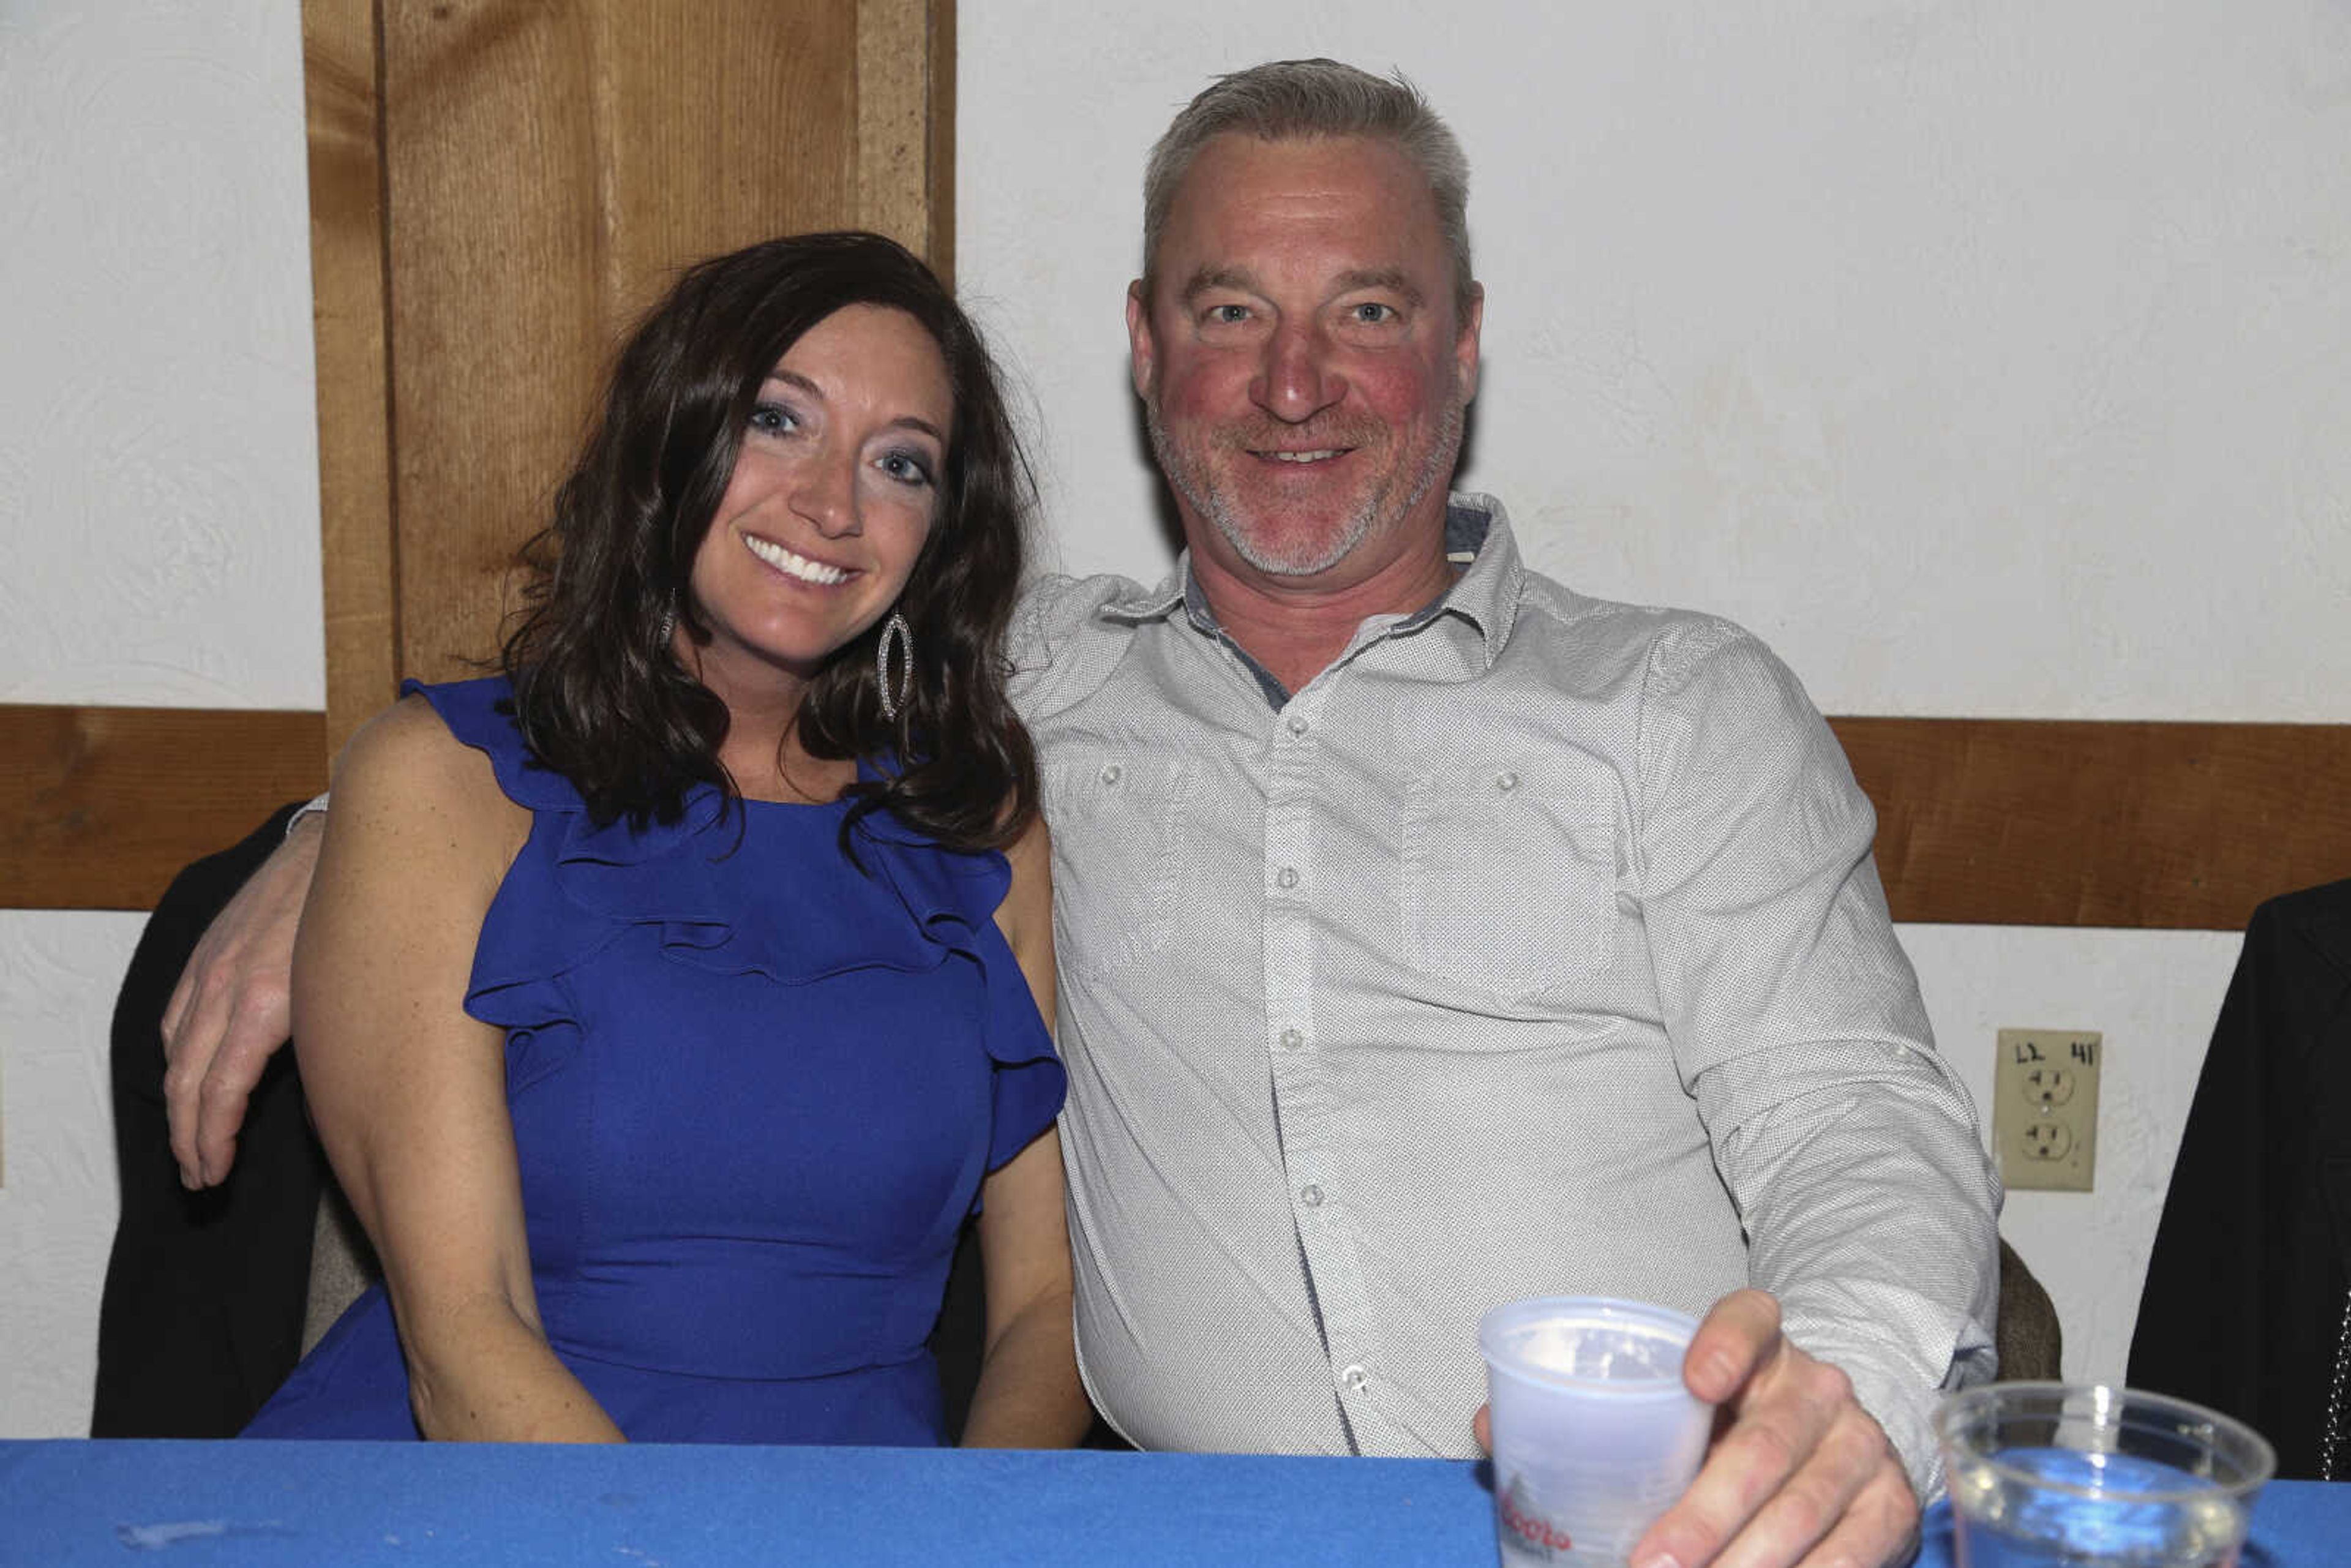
793,564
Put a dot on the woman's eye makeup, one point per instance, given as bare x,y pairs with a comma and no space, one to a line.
907,465
910,467
773,418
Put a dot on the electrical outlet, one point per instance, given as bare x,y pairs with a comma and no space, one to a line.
2044,1110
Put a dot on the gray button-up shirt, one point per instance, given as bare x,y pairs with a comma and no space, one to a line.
1533,946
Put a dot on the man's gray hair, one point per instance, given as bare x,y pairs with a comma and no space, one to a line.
1285,100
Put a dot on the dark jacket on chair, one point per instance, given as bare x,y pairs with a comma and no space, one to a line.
2248,1300
202,1318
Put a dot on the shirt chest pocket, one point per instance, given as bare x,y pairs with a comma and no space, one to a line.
1509,874
1118,819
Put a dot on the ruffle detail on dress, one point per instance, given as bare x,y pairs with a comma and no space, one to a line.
932,904
471,710
1030,1084
954,897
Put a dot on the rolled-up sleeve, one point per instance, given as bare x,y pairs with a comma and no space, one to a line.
1850,1150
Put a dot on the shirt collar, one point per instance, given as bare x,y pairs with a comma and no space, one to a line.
1477,538
1487,592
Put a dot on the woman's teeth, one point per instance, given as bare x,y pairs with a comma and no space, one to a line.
792,565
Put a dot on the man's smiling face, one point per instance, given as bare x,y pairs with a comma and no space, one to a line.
1300,357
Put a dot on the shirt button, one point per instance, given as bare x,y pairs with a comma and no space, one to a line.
1356,1379
1286,877
1506,782
1311,1196
1291,1040
1297,725
1111,772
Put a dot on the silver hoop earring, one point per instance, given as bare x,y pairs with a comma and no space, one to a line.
894,630
668,628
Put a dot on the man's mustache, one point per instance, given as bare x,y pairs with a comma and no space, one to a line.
1314,436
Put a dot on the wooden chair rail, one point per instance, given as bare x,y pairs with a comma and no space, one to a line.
101,806
1981,821
2101,822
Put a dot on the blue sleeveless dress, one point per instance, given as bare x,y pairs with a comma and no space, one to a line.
754,1092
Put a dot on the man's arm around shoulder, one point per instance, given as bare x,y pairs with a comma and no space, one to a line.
232,1008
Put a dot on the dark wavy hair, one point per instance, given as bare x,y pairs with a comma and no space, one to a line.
599,694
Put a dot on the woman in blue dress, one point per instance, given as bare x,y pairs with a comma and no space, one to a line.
667,1002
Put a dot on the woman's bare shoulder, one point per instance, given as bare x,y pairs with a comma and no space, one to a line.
404,767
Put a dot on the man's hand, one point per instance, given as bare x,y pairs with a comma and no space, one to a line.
230,1009
1801,1474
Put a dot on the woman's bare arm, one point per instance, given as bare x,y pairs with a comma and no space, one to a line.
1028,1395
409,1093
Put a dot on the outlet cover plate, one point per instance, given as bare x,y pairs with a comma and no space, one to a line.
2044,1115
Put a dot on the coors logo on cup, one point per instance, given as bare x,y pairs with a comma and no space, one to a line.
1535,1534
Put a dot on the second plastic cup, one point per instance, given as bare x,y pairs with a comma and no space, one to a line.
1594,1436
2059,1472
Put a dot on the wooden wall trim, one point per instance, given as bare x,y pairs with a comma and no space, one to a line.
894,121
940,180
101,806
343,104
1981,821
2142,825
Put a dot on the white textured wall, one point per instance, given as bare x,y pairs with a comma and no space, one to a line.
58,979
1987,359
159,493
158,451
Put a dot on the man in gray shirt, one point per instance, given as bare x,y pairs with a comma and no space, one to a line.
1431,934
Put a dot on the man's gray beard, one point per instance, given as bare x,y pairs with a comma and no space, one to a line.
1219,509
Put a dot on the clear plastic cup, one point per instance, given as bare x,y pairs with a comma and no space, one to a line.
2050,1473
1594,1436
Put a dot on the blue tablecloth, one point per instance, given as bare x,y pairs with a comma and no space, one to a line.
415,1505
